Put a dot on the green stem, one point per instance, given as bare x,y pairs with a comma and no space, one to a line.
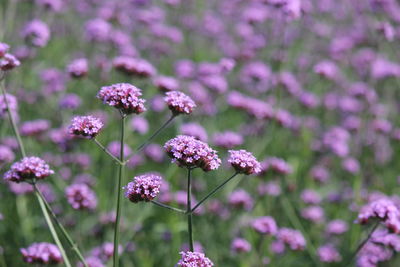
71,243
167,206
155,134
119,206
189,208
13,122
51,227
362,244
213,192
106,151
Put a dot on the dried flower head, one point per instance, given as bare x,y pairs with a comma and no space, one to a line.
189,152
143,187
123,96
179,103
86,126
28,168
244,162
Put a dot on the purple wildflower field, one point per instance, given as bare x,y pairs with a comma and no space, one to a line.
199,133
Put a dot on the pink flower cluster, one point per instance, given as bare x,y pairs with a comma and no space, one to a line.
189,152
179,103
42,253
244,162
123,96
7,61
81,197
143,187
28,168
383,209
86,126
194,259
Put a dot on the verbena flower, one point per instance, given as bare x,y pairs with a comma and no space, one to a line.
194,259
123,96
227,139
35,127
37,33
165,83
9,62
240,245
244,162
3,49
81,197
78,68
42,253
28,168
143,187
186,151
179,103
384,210
12,104
86,126
134,66
265,225
293,238
328,253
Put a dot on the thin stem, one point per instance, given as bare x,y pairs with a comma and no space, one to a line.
119,206
51,227
12,120
167,206
71,243
106,151
213,192
362,244
155,134
189,208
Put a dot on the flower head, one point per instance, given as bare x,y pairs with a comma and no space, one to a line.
143,188
78,68
179,103
86,126
80,196
244,162
8,62
28,168
265,225
42,253
37,33
123,96
189,152
293,238
35,127
194,259
3,49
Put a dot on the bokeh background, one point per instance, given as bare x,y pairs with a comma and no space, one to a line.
310,88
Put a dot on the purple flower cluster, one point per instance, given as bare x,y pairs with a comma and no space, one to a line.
189,152
143,187
35,127
195,130
78,68
227,139
28,168
384,210
37,33
12,104
244,162
42,253
123,96
328,253
265,225
166,84
179,103
7,61
86,126
81,197
293,238
240,245
194,259
134,66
